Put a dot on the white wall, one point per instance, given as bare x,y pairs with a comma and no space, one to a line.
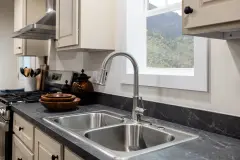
224,83
67,61
8,61
224,76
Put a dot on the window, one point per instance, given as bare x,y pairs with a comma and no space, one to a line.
24,62
166,58
166,46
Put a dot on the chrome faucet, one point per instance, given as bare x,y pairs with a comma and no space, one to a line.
138,108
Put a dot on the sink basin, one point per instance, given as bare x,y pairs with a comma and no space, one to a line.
129,138
86,121
110,135
135,139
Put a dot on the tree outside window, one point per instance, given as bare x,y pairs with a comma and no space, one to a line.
166,46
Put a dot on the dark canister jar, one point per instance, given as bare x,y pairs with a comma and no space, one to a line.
83,89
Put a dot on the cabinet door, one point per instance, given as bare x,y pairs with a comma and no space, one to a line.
20,151
24,130
209,12
47,148
19,22
68,155
67,22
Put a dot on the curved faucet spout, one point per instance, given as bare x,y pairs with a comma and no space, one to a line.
103,77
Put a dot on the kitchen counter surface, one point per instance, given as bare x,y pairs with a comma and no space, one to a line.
208,146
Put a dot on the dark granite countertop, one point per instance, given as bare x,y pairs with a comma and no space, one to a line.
208,146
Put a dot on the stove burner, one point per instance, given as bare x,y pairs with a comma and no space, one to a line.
27,97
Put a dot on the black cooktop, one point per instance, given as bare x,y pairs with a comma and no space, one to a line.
21,96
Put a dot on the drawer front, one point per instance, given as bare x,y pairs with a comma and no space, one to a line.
20,151
47,148
70,155
24,130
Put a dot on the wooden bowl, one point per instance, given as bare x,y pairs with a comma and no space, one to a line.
60,106
58,95
46,99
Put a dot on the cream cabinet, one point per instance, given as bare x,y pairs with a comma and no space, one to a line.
29,143
68,155
23,130
27,12
211,18
20,151
46,147
209,12
85,24
19,22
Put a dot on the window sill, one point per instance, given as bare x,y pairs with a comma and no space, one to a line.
165,71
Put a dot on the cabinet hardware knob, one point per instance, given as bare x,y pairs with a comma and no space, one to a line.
20,128
19,159
18,47
54,157
188,10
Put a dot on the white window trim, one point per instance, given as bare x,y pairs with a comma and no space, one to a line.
197,81
168,8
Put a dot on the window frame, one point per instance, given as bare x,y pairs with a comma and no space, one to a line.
159,10
198,81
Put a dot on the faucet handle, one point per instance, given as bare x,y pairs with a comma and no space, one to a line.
140,110
142,104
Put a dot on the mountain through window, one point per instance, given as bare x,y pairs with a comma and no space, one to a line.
166,46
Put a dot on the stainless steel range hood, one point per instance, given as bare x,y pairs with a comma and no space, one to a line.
44,28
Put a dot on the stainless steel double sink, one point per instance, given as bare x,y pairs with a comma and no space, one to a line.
119,137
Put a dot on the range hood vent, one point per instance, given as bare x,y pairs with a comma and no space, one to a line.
43,29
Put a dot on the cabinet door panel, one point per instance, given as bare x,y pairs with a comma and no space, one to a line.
19,22
20,151
43,152
26,132
46,147
209,12
67,22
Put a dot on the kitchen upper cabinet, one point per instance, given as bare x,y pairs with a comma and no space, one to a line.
19,22
20,151
67,23
27,12
47,148
209,12
211,18
85,24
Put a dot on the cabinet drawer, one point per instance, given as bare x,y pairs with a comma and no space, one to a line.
24,130
47,148
70,155
20,151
